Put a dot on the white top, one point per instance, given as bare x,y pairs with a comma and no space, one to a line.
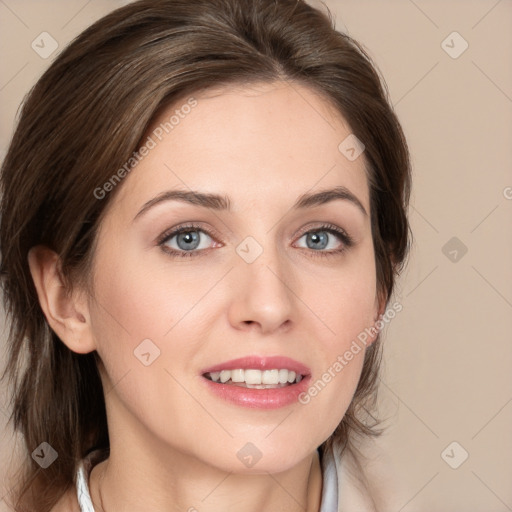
329,501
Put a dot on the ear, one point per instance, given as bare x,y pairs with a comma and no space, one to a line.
66,313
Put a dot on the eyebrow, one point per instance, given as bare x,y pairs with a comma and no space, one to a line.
222,202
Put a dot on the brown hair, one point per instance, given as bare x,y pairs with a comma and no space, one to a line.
83,120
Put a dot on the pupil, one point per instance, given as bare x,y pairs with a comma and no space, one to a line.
316,238
189,237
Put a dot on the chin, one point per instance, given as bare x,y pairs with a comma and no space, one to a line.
262,456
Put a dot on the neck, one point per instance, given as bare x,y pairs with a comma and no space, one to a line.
122,486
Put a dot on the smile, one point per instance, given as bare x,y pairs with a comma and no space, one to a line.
258,382
256,379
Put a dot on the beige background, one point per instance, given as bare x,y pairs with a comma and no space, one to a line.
448,356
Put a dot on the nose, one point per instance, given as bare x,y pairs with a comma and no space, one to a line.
263,297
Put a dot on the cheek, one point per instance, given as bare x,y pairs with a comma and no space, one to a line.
136,320
348,311
138,300
149,323
348,301
129,315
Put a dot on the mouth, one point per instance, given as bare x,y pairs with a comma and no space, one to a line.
256,379
258,382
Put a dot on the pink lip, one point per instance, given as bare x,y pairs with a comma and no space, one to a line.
273,398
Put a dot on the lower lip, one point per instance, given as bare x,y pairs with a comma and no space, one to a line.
270,398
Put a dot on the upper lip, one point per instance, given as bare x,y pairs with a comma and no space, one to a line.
260,363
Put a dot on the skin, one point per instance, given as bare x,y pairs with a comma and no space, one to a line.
173,443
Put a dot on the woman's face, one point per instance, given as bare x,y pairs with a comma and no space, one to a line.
259,280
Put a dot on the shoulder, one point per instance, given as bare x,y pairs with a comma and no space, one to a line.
67,503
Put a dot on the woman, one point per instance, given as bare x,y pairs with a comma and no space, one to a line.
203,215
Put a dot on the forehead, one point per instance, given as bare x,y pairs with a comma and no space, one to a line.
259,144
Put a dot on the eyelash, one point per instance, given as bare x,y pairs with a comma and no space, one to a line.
329,228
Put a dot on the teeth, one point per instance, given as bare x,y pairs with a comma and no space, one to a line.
270,377
252,376
256,377
237,375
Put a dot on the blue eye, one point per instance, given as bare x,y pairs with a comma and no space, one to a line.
188,240
321,238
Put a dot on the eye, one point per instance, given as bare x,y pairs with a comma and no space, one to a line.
189,240
324,237
185,241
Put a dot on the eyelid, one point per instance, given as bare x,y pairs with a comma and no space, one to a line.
323,226
346,240
187,226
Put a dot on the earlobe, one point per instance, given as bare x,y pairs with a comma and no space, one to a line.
66,313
